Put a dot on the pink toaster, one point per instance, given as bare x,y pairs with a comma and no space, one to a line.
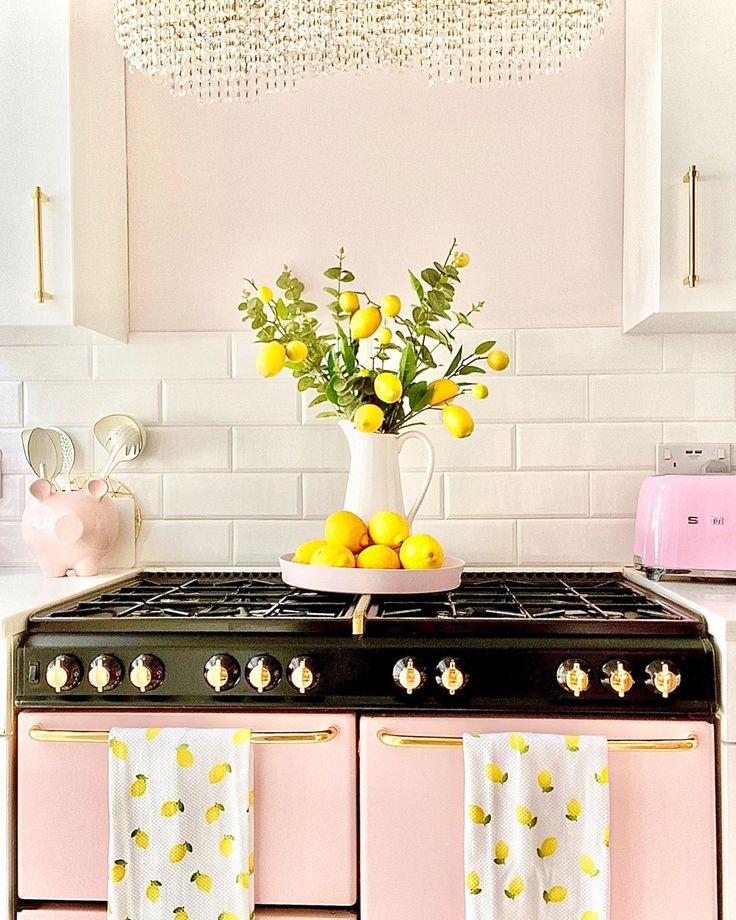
686,525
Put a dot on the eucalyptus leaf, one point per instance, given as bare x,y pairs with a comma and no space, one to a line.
327,415
431,276
284,280
332,273
319,398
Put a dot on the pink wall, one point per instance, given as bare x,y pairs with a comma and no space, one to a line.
529,179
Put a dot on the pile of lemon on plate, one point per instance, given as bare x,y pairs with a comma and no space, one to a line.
384,543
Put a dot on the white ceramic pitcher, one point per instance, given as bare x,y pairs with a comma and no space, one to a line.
374,481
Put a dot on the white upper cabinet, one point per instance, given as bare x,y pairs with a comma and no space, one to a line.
679,228
62,130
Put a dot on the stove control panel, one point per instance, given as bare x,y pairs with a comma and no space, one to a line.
222,672
105,673
617,676
263,673
64,673
573,676
146,672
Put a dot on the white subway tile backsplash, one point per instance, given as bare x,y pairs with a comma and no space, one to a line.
477,542
229,402
585,542
12,499
147,489
44,362
13,552
262,542
586,351
517,494
615,493
14,461
701,431
157,355
80,404
174,543
290,448
179,449
491,447
588,446
231,495
700,353
664,396
325,493
532,399
10,404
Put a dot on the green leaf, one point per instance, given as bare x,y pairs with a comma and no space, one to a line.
483,348
284,280
295,291
304,384
320,398
327,415
453,365
470,369
348,355
306,307
333,291
332,273
242,306
417,285
407,365
347,277
431,276
419,395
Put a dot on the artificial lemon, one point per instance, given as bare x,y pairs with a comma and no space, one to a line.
458,421
270,359
477,815
305,552
138,786
368,418
117,872
442,391
524,816
588,866
495,774
548,847
184,756
119,748
497,360
516,887
219,772
461,260
388,387
170,808
265,293
384,336
140,838
364,322
296,351
152,733
472,882
213,813
226,845
421,552
179,851
390,305
153,891
378,557
545,781
180,914
243,879
346,529
479,391
501,853
555,895
389,528
334,555
202,881
348,301
574,810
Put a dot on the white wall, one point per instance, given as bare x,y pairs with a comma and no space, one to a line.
236,472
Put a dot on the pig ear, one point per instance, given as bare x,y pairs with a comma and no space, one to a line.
69,528
40,489
97,488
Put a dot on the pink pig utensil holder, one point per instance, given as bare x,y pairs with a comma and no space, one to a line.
69,531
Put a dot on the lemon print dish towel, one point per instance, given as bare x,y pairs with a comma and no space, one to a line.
181,824
536,827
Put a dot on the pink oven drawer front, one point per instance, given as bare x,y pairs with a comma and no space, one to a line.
305,814
663,820
264,913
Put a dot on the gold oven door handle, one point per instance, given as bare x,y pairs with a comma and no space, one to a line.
66,736
39,295
689,743
690,179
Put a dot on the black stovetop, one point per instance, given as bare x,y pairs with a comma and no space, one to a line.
487,603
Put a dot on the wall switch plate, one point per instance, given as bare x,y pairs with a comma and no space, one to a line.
688,458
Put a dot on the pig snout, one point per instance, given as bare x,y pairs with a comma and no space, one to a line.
69,528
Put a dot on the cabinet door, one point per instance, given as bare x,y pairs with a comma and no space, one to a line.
34,151
663,822
699,128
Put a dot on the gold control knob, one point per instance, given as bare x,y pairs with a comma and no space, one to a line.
146,673
140,677
221,672
104,673
451,675
303,673
663,677
263,673
63,673
99,676
573,676
409,675
617,677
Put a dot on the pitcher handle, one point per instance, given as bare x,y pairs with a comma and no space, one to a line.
428,472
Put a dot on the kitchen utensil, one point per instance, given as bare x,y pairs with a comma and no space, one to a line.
66,447
122,437
43,454
371,581
686,524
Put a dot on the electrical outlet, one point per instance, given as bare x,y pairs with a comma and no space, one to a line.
691,458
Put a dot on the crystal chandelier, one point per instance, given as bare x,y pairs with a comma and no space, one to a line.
227,50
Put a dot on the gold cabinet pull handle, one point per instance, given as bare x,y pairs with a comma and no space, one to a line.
37,733
690,179
39,295
689,743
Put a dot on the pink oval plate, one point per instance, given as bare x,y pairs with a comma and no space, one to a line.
371,581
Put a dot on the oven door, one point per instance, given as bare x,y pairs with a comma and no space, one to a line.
305,815
663,819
